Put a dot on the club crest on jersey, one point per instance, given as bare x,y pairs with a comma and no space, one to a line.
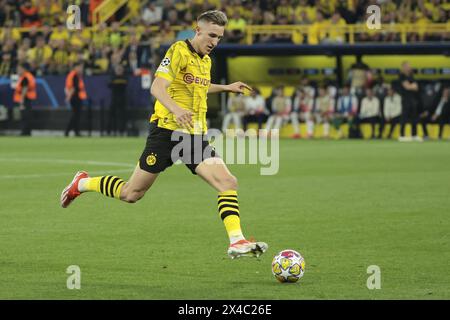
151,159
190,78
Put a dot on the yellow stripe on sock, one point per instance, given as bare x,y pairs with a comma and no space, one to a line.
110,182
229,203
228,193
93,184
232,224
118,188
105,185
228,209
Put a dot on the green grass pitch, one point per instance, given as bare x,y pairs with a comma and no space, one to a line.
345,205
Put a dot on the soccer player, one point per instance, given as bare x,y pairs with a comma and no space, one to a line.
181,85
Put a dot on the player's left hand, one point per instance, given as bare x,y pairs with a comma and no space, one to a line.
238,87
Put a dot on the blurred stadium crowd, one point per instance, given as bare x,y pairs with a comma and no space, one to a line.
365,98
34,31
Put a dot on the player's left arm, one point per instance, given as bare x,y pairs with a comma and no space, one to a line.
236,87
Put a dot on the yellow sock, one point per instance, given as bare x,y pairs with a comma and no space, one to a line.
229,213
109,186
91,184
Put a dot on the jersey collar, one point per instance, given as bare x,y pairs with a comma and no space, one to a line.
189,44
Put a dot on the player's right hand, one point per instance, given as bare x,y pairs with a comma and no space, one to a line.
184,118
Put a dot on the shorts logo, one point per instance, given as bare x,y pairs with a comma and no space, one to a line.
151,159
165,62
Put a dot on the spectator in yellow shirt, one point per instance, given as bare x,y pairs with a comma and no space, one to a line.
257,16
433,7
40,55
60,34
166,33
50,11
76,40
133,8
286,10
268,19
85,34
247,11
233,6
336,33
59,63
100,37
7,32
318,30
303,6
236,28
102,64
6,64
22,51
328,7
115,37
388,6
420,21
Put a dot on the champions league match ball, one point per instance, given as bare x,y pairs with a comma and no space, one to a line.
288,266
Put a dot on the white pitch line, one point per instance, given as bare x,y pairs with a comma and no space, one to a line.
69,174
89,162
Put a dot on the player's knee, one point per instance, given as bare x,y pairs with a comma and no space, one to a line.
133,196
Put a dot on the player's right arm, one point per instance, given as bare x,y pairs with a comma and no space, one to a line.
159,91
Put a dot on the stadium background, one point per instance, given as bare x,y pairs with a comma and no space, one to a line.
345,205
269,43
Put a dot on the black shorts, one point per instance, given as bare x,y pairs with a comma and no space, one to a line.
164,147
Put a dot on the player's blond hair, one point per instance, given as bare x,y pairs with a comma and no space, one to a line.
214,16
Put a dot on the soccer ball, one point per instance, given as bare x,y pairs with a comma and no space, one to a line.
288,266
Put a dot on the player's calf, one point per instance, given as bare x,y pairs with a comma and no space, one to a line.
131,195
226,182
109,186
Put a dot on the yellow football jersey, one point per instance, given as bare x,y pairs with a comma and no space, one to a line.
189,75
